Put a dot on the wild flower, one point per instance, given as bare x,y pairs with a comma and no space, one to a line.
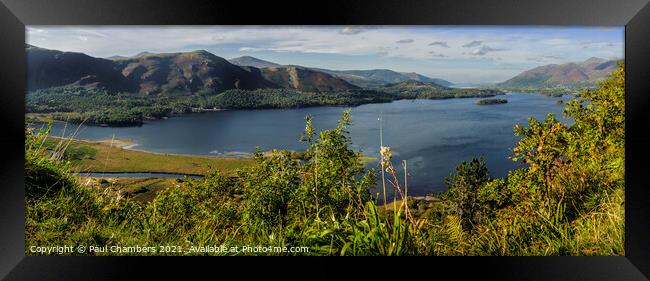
386,155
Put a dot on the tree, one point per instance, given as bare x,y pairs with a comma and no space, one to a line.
330,175
464,185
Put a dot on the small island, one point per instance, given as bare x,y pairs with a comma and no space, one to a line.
491,101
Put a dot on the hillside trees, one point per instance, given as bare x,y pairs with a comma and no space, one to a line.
574,174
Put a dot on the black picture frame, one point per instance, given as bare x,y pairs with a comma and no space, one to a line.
634,15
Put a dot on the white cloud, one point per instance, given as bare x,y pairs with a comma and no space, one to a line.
404,41
436,54
439,43
351,30
546,59
486,49
474,43
91,33
597,45
249,49
35,30
556,41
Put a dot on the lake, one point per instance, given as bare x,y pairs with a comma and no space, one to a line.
434,136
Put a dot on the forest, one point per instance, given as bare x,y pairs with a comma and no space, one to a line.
98,106
567,200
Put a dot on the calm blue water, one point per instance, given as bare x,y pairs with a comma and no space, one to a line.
434,136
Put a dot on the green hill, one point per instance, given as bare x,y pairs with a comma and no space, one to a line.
425,90
189,72
50,68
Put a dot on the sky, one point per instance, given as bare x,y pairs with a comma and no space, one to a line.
460,54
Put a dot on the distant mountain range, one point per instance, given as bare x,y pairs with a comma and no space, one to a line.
194,72
203,72
362,78
585,73
172,73
381,77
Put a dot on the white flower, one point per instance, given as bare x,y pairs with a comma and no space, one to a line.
386,155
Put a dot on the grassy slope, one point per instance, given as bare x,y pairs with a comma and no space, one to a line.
31,117
100,156
140,189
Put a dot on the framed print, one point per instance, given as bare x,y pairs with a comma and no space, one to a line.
509,138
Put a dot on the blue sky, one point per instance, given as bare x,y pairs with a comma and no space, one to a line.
461,54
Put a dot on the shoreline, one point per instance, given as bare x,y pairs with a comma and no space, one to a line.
113,174
42,117
118,156
127,144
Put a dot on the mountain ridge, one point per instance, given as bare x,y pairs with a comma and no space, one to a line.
252,61
361,78
195,71
585,73
52,68
305,79
149,73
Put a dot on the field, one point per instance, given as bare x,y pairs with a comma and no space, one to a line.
113,156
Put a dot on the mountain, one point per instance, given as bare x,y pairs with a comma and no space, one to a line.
361,78
252,61
585,73
296,77
305,79
592,62
196,72
142,54
380,77
188,72
170,73
50,68
422,78
599,70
